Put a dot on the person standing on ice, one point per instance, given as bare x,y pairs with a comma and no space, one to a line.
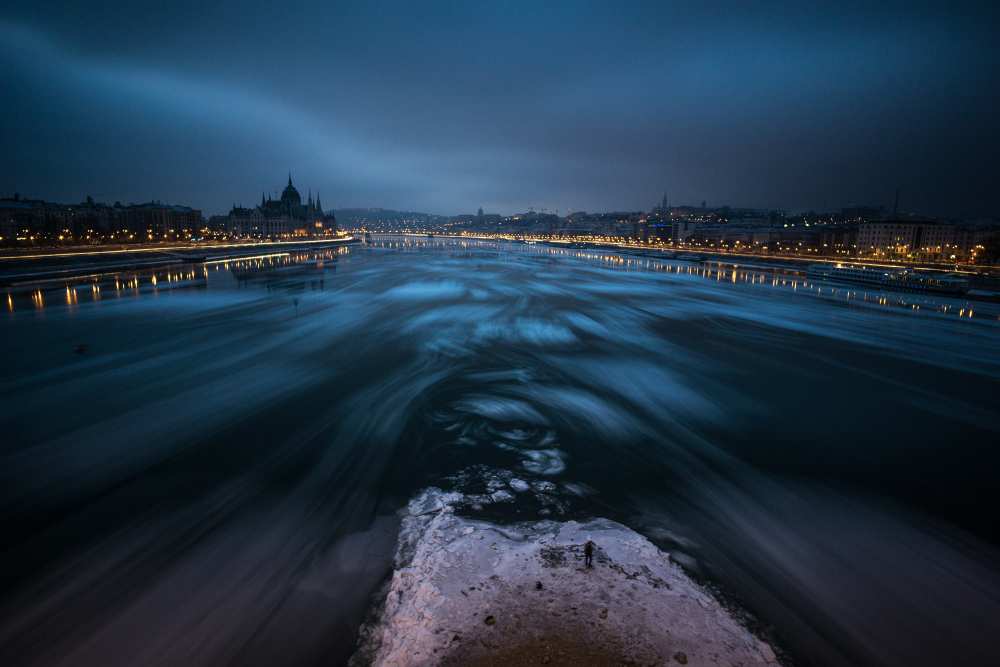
588,554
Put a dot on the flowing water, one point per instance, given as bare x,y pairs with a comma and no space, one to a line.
202,465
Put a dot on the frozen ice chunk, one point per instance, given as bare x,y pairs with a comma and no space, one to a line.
544,461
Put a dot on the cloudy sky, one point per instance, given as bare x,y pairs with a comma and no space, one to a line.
445,107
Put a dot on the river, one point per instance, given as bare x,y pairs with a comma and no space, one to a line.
202,464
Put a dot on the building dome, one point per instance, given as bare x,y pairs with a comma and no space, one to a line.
290,196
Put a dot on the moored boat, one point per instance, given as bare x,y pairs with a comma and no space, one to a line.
891,278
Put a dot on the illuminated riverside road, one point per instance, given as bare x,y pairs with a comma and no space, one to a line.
184,247
201,463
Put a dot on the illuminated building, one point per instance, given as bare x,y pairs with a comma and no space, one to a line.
286,216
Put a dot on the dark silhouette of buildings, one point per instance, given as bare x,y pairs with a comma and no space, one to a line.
287,216
39,222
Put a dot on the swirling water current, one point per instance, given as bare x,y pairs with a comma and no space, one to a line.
203,465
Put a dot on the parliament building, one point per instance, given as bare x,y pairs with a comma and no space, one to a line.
284,217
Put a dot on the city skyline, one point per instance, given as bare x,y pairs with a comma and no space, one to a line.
890,208
452,108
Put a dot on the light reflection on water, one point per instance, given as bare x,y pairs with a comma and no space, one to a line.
209,456
782,278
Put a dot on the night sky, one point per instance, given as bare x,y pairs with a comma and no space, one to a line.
448,107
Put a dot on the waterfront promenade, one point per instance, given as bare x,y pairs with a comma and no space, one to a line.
55,263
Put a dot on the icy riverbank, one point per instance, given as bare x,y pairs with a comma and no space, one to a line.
470,592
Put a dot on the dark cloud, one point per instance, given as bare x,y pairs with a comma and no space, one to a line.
446,107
